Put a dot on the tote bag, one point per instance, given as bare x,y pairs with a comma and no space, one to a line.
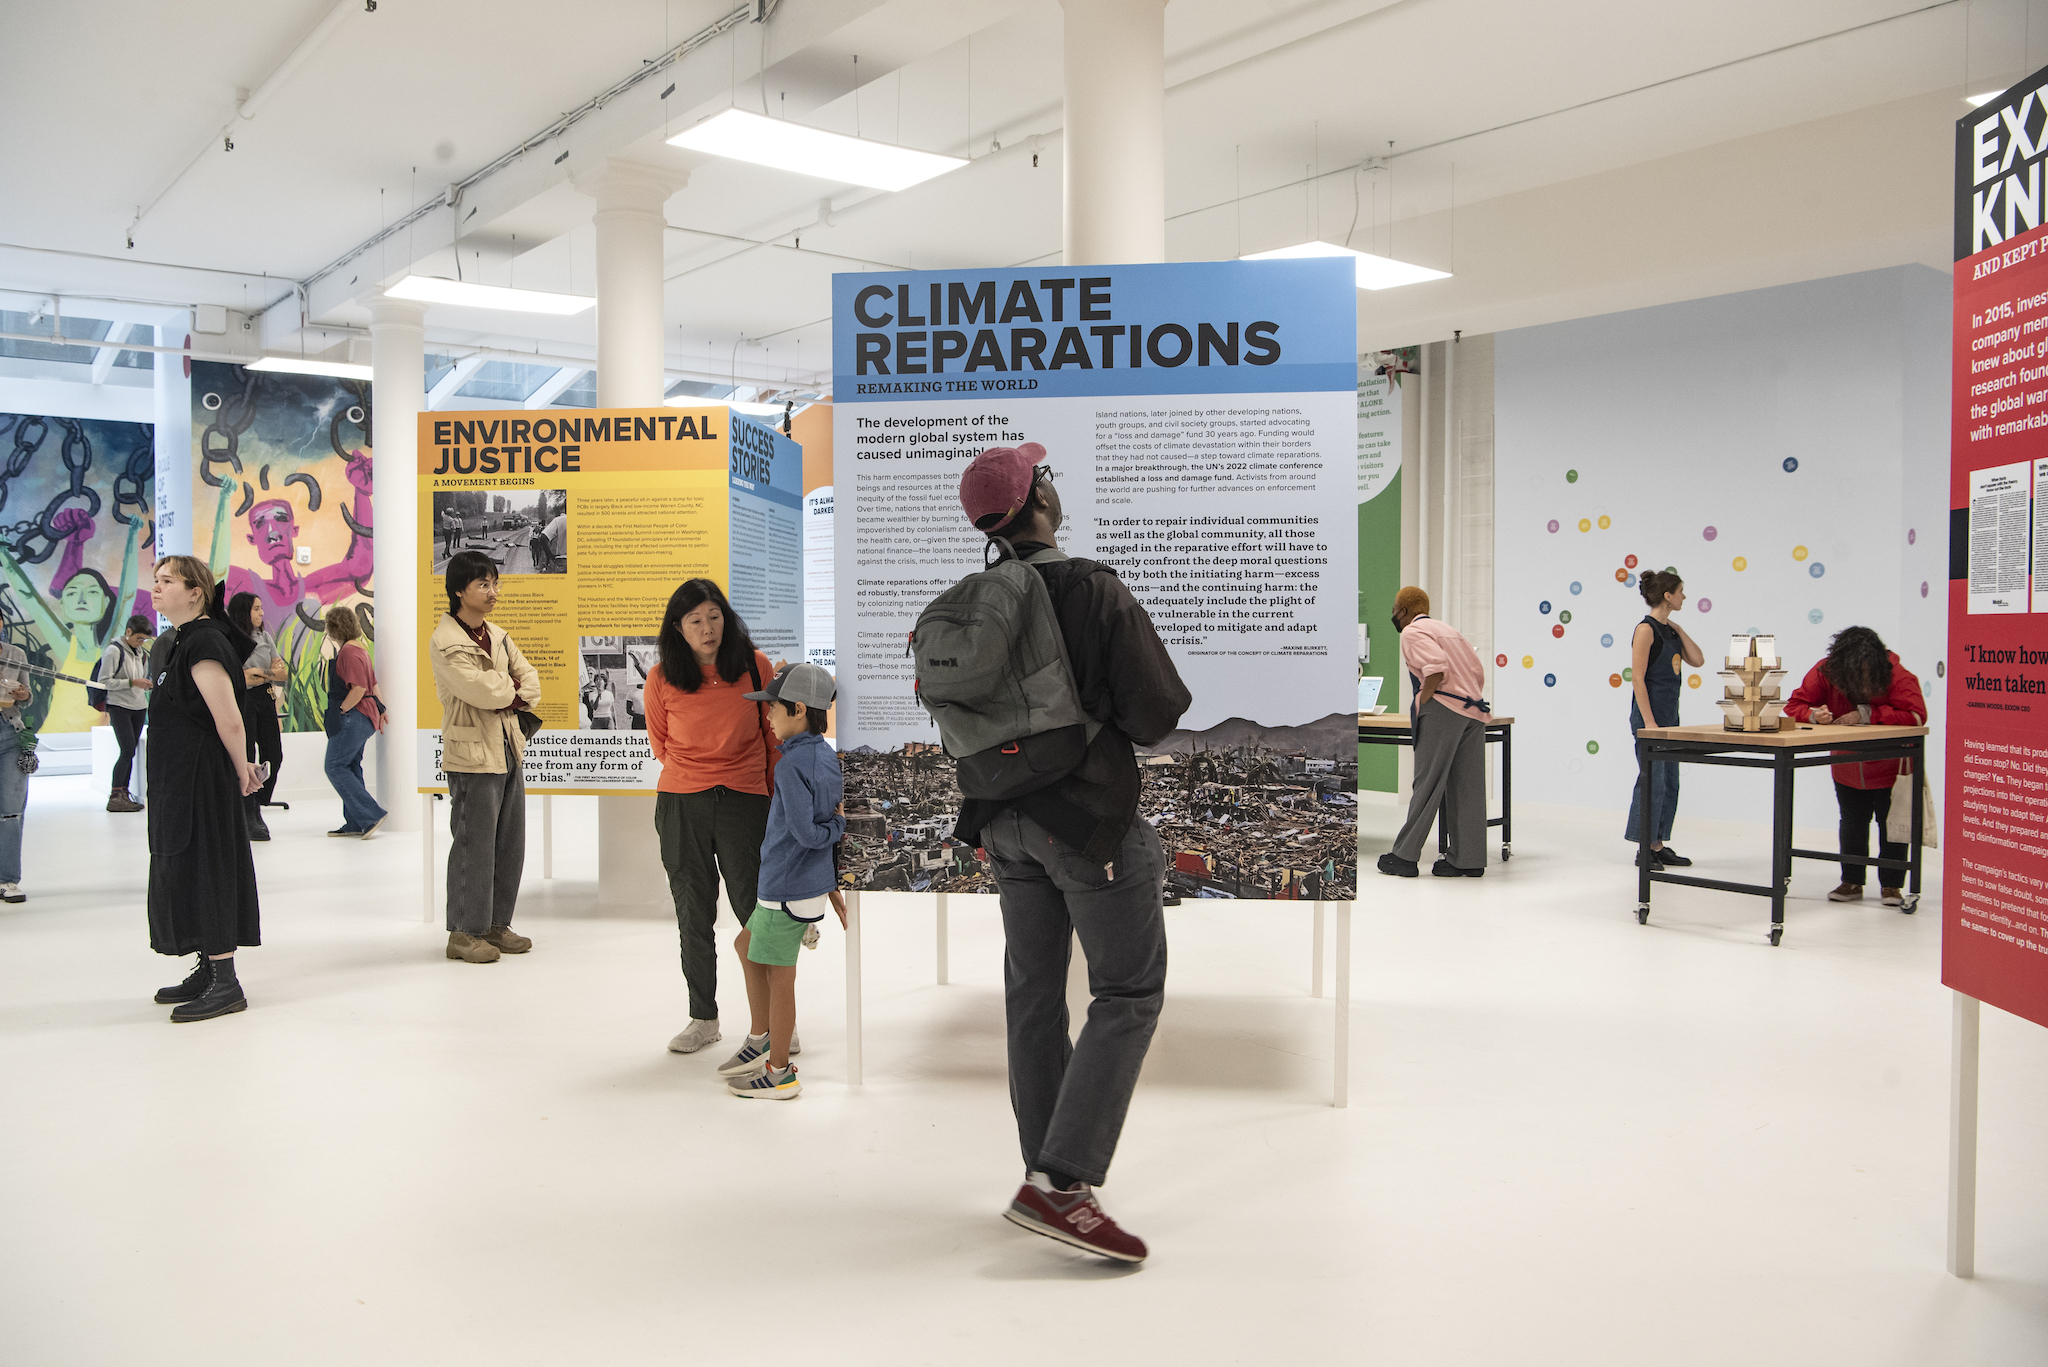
1898,823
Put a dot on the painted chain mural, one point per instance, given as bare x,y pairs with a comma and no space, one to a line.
76,531
283,507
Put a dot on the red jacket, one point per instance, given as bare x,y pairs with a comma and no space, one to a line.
1902,706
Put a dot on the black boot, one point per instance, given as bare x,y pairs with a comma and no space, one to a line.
192,988
223,995
253,808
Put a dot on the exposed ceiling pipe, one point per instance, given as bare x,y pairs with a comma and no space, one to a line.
248,105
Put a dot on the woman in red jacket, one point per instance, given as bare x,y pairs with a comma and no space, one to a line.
1861,683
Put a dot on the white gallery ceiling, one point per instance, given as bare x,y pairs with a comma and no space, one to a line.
1378,122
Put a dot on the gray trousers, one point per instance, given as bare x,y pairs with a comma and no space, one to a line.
1450,772
487,847
1070,1097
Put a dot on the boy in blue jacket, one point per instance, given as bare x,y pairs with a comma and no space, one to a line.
798,881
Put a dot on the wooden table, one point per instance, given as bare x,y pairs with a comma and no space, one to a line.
1783,753
1394,728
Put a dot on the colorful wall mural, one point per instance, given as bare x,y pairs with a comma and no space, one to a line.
282,508
76,531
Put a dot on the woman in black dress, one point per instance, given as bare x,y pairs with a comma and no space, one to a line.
202,880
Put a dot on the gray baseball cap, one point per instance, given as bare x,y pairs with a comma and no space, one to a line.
800,683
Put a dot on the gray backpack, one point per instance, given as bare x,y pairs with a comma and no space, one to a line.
992,670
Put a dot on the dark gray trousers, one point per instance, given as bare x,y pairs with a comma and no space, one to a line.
704,835
487,847
1450,772
1070,1097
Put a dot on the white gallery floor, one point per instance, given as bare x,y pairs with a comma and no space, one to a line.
1571,1139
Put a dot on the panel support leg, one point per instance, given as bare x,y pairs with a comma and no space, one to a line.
853,1041
1962,1138
1315,956
1343,974
944,949
547,835
427,858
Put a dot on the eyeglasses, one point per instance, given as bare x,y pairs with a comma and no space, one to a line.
1041,472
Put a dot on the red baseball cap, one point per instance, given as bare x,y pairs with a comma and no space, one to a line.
997,484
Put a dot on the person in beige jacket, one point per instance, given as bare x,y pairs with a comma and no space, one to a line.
484,683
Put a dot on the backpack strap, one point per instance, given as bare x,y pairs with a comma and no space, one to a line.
761,718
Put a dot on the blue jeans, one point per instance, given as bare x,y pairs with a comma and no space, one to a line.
13,801
1663,791
359,811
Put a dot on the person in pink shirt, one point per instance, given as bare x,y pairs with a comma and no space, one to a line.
1450,719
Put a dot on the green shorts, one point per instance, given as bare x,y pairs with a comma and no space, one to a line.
774,936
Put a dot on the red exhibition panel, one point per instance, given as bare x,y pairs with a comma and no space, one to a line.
1995,868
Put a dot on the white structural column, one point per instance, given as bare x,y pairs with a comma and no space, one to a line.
398,391
631,373
1114,158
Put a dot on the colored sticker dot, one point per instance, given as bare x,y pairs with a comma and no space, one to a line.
1710,533
1799,552
1501,661
1606,640
1544,607
1592,747
1557,632
1631,581
1585,524
1571,477
1605,522
1671,569
1621,576
1911,536
1528,661
1692,681
1923,588
1706,605
1577,587
1630,561
1614,680
1565,617
1814,616
1553,524
1791,464
1740,564
1550,680
1816,569
1628,676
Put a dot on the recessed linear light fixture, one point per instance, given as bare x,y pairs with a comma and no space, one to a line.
810,151
432,289
1979,101
1374,272
295,365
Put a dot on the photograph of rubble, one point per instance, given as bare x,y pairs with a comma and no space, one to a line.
1245,811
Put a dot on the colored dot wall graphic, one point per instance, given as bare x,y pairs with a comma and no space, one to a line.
1791,464
1614,680
1911,536
1592,747
1544,607
1629,562
1565,617
1740,564
1923,588
1606,638
1585,524
1500,661
1799,552
1577,587
1553,524
1816,569
1692,681
1528,662
1706,605
1605,522
1628,675
1814,616
1550,680
1621,576
1630,580
1710,533
1571,477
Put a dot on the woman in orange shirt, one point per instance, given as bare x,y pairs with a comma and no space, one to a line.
717,763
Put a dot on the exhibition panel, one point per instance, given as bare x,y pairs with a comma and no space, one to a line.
592,521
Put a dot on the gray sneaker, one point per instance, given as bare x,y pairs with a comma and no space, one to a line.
753,1056
695,1037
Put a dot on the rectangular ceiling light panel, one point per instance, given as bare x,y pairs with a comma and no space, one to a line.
432,289
293,365
1374,272
812,151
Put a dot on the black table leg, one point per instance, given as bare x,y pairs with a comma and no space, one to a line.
1782,776
1643,823
1910,903
1507,792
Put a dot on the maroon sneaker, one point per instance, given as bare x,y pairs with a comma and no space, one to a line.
1073,1217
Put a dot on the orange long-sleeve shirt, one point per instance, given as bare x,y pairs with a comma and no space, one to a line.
712,738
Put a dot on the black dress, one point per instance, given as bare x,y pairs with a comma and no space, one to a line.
202,881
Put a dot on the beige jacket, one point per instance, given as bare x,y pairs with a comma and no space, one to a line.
474,688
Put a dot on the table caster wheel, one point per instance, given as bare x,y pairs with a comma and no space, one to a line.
1777,933
1910,904
1506,854
1642,916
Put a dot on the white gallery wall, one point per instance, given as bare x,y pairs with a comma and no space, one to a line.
1785,449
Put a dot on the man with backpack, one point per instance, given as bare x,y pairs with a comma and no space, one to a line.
1055,805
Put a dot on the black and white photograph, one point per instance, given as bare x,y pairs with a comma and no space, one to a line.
611,680
525,531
